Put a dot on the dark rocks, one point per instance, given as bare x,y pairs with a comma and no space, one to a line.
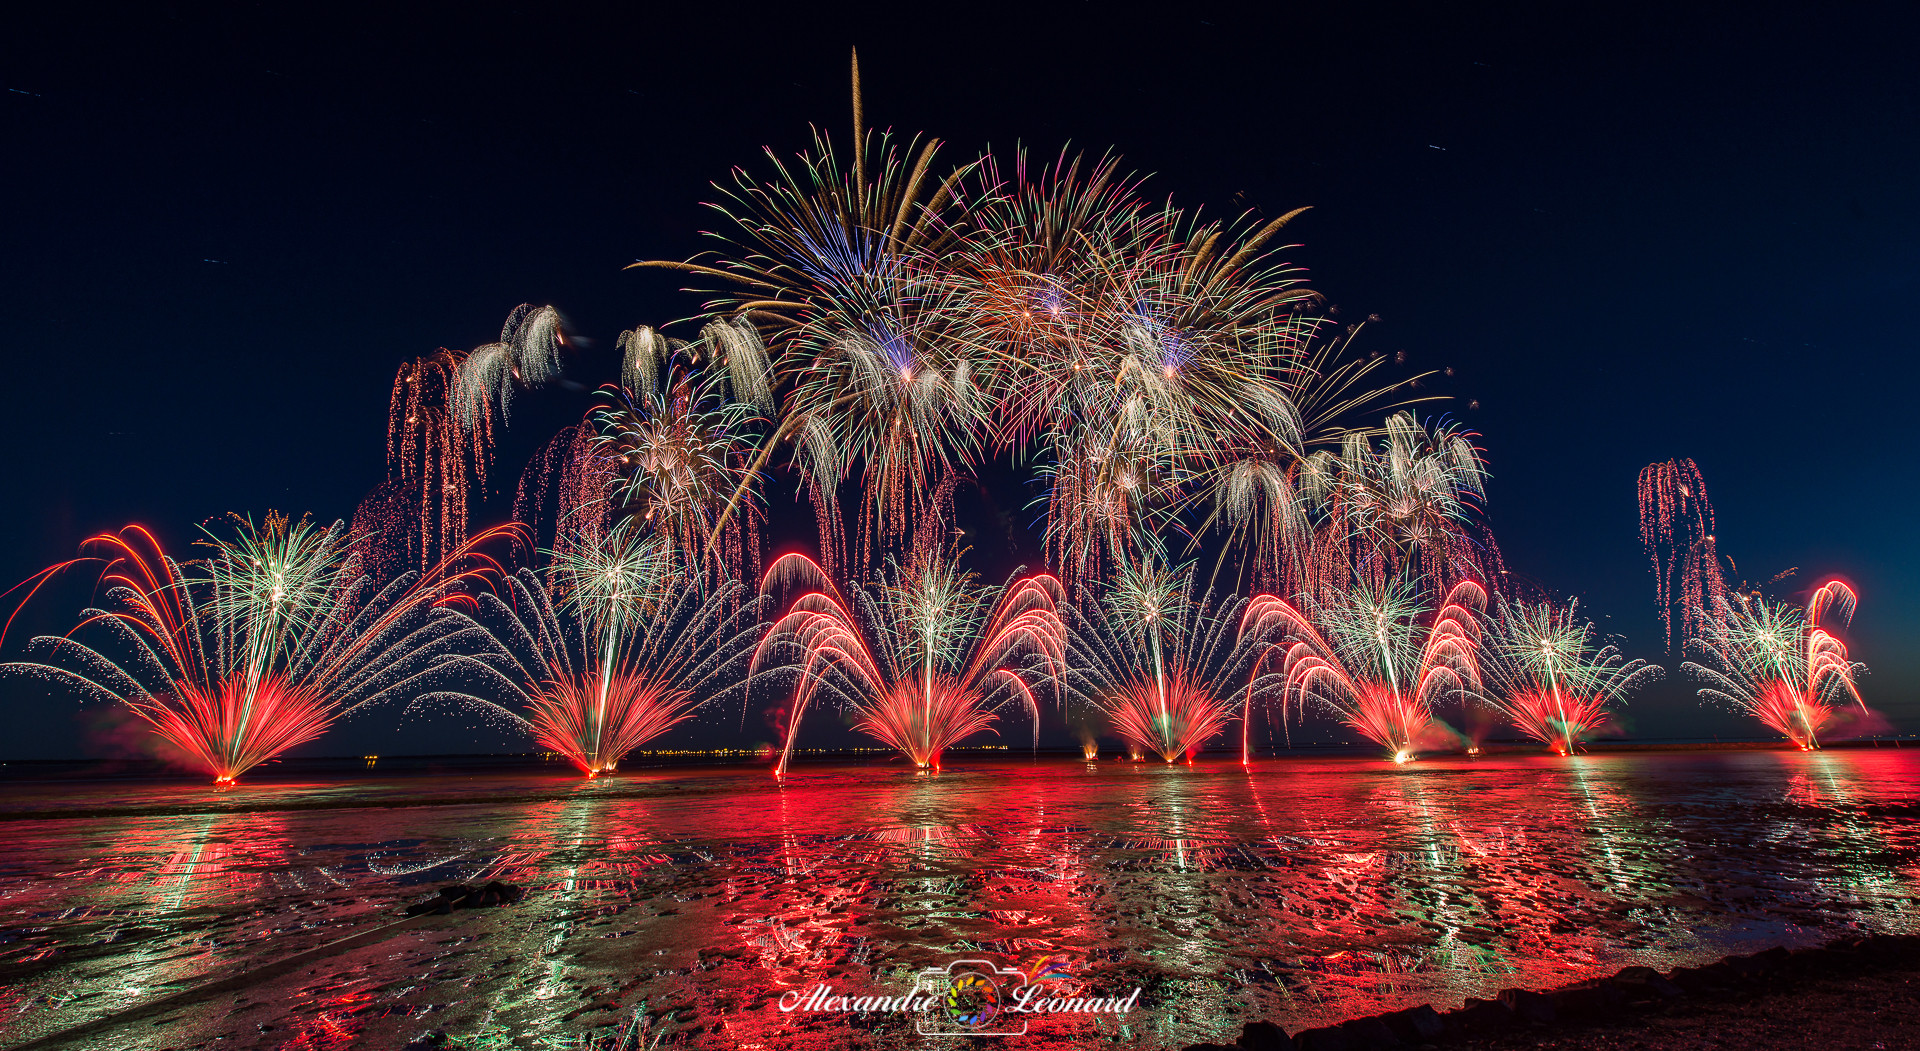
1264,1036
1631,989
1325,1038
1416,1025
1209,1047
1651,986
432,1040
1586,999
1481,1014
1528,1005
464,897
1369,1033
1703,979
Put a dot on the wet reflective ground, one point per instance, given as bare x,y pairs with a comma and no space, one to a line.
690,899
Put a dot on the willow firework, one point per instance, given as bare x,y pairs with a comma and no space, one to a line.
1780,663
257,649
1677,532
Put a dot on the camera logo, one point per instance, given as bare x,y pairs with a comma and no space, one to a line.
969,999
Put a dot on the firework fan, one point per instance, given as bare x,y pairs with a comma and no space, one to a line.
258,648
925,657
1552,676
1381,660
608,650
1163,666
1779,663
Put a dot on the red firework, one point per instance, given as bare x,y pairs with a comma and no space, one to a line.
926,663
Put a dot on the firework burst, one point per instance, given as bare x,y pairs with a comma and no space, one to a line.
256,649
1780,663
925,658
1552,677
679,435
1375,658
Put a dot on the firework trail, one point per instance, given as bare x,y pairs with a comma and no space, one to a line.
1677,531
258,648
1374,658
613,647
1550,674
435,469
1780,664
925,657
1161,665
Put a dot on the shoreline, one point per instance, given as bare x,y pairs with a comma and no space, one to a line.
1851,992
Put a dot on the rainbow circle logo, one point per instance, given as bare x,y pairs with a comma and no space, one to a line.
972,1000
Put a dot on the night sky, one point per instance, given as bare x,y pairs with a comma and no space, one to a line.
1632,237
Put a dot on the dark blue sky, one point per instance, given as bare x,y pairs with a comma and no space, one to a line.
1634,234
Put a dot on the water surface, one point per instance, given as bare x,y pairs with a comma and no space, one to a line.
1302,891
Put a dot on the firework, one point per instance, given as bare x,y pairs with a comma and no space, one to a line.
1161,664
434,469
1780,663
1677,531
609,650
1254,492
835,259
1375,658
1401,508
925,658
679,442
526,355
256,649
1552,677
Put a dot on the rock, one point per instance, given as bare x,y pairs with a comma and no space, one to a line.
1528,1005
428,1041
1264,1036
1702,979
1818,959
1587,999
1325,1038
1416,1025
1652,987
1208,1047
1743,967
1369,1033
1480,1014
1636,973
1772,959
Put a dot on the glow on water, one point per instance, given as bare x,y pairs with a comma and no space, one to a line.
1302,891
